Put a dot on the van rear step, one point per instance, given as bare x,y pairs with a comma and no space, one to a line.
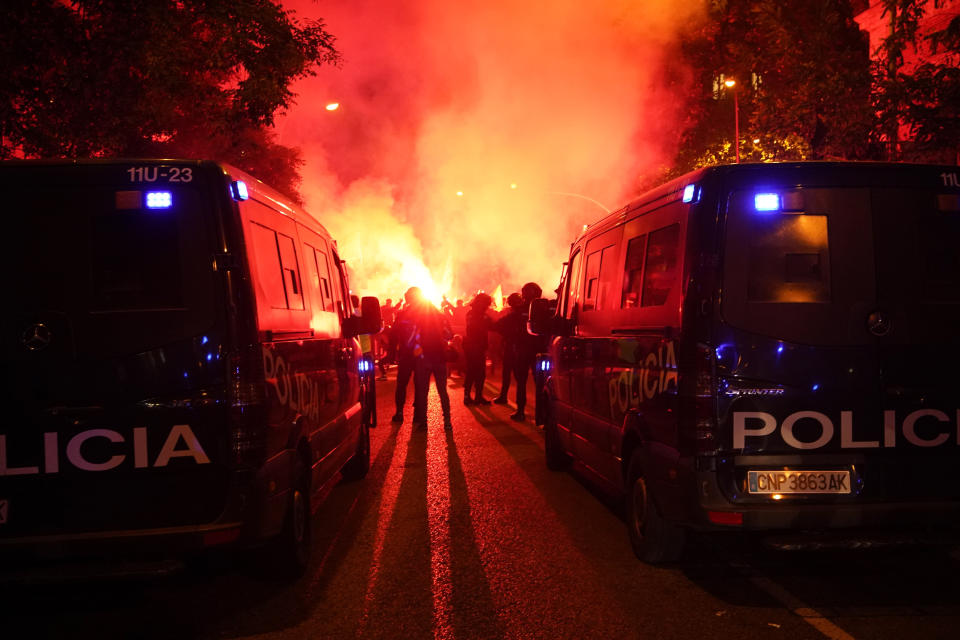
92,570
859,539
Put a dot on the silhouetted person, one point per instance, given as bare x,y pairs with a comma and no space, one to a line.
402,337
509,327
528,346
458,318
430,338
475,349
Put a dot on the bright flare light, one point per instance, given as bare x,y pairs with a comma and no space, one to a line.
333,106
418,275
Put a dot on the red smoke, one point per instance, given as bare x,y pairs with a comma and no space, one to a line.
536,116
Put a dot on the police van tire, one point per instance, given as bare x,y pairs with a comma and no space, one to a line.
359,465
654,540
557,458
291,549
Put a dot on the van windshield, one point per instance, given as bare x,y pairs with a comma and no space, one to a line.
813,266
96,261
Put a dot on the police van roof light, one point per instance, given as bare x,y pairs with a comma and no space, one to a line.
767,201
689,192
159,199
238,190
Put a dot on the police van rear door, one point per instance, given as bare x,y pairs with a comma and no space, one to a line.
835,355
112,350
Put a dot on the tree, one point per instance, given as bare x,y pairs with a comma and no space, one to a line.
918,104
814,68
155,78
803,83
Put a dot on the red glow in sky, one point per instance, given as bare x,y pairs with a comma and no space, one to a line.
473,140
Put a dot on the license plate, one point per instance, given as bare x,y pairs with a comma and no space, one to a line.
798,481
4,507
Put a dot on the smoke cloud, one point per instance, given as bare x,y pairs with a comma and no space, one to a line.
474,139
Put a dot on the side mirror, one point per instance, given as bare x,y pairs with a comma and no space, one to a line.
370,315
540,321
370,321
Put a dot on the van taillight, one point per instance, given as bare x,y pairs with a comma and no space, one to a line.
247,396
705,401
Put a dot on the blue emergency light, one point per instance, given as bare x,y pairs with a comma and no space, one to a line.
767,202
238,190
159,199
689,192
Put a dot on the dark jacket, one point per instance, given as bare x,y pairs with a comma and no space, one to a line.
478,323
432,333
403,329
509,326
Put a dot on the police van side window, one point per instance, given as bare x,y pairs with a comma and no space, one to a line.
312,278
573,285
633,272
269,271
341,294
291,272
592,285
601,272
324,272
789,259
660,268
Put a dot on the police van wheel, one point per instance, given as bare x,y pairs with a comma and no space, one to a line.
291,550
358,466
654,540
557,458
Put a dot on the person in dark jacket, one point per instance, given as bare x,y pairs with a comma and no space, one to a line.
475,349
401,336
528,346
430,338
509,327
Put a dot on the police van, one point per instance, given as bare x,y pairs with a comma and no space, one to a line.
767,347
181,363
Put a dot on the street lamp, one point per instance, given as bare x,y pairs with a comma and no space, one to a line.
513,185
730,83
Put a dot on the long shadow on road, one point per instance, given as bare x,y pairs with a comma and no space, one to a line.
474,610
226,594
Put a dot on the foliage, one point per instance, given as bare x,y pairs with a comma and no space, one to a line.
155,78
918,105
802,74
807,89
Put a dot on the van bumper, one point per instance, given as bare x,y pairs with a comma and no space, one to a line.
801,514
230,528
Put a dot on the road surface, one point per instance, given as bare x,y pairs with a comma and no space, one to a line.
466,534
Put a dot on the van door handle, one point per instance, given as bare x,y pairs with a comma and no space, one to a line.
345,356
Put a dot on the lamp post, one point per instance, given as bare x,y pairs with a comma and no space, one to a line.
514,186
578,195
730,83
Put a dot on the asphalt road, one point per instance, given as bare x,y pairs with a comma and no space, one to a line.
466,534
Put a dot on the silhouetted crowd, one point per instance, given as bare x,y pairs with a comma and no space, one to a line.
426,342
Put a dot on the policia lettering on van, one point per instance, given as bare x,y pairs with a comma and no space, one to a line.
765,347
181,362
